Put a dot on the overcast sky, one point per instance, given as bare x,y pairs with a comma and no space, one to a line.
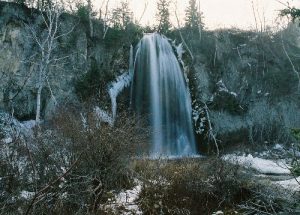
217,13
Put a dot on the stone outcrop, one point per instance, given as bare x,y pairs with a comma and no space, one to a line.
20,55
248,85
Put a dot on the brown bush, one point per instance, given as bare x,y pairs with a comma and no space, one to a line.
71,166
200,186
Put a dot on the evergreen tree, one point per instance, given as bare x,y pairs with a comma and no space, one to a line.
193,18
163,16
293,12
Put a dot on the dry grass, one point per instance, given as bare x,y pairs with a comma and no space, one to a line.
202,186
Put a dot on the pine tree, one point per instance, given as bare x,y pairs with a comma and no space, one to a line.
293,12
163,16
193,18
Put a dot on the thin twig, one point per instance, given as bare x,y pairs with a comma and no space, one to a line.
291,62
210,131
181,36
145,8
49,185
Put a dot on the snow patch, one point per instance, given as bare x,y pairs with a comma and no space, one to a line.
180,51
291,184
26,195
222,87
218,213
278,147
7,140
126,201
234,94
30,124
103,116
261,165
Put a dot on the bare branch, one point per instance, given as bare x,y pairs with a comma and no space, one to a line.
291,62
49,185
181,36
199,26
105,20
210,131
143,13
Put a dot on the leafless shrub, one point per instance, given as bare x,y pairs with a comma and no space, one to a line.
203,186
69,168
268,199
190,186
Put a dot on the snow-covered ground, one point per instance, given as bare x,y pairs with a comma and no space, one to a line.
29,125
268,167
292,184
259,164
26,195
126,201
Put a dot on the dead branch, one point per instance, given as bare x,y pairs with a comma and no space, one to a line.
200,21
291,62
49,185
143,13
181,36
105,20
211,135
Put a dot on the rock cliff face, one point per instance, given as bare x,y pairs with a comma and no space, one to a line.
19,56
71,59
249,85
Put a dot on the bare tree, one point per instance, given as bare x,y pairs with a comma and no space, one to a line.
104,17
90,11
47,44
121,16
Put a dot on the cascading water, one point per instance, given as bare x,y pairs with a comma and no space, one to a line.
159,89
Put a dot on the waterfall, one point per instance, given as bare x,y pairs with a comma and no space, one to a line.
160,90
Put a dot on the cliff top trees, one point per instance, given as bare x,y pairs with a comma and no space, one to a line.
193,18
39,4
163,16
122,15
293,12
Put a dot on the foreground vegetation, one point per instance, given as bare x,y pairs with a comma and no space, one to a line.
69,165
74,164
74,167
205,186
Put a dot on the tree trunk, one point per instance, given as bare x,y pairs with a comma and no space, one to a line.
38,104
90,18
